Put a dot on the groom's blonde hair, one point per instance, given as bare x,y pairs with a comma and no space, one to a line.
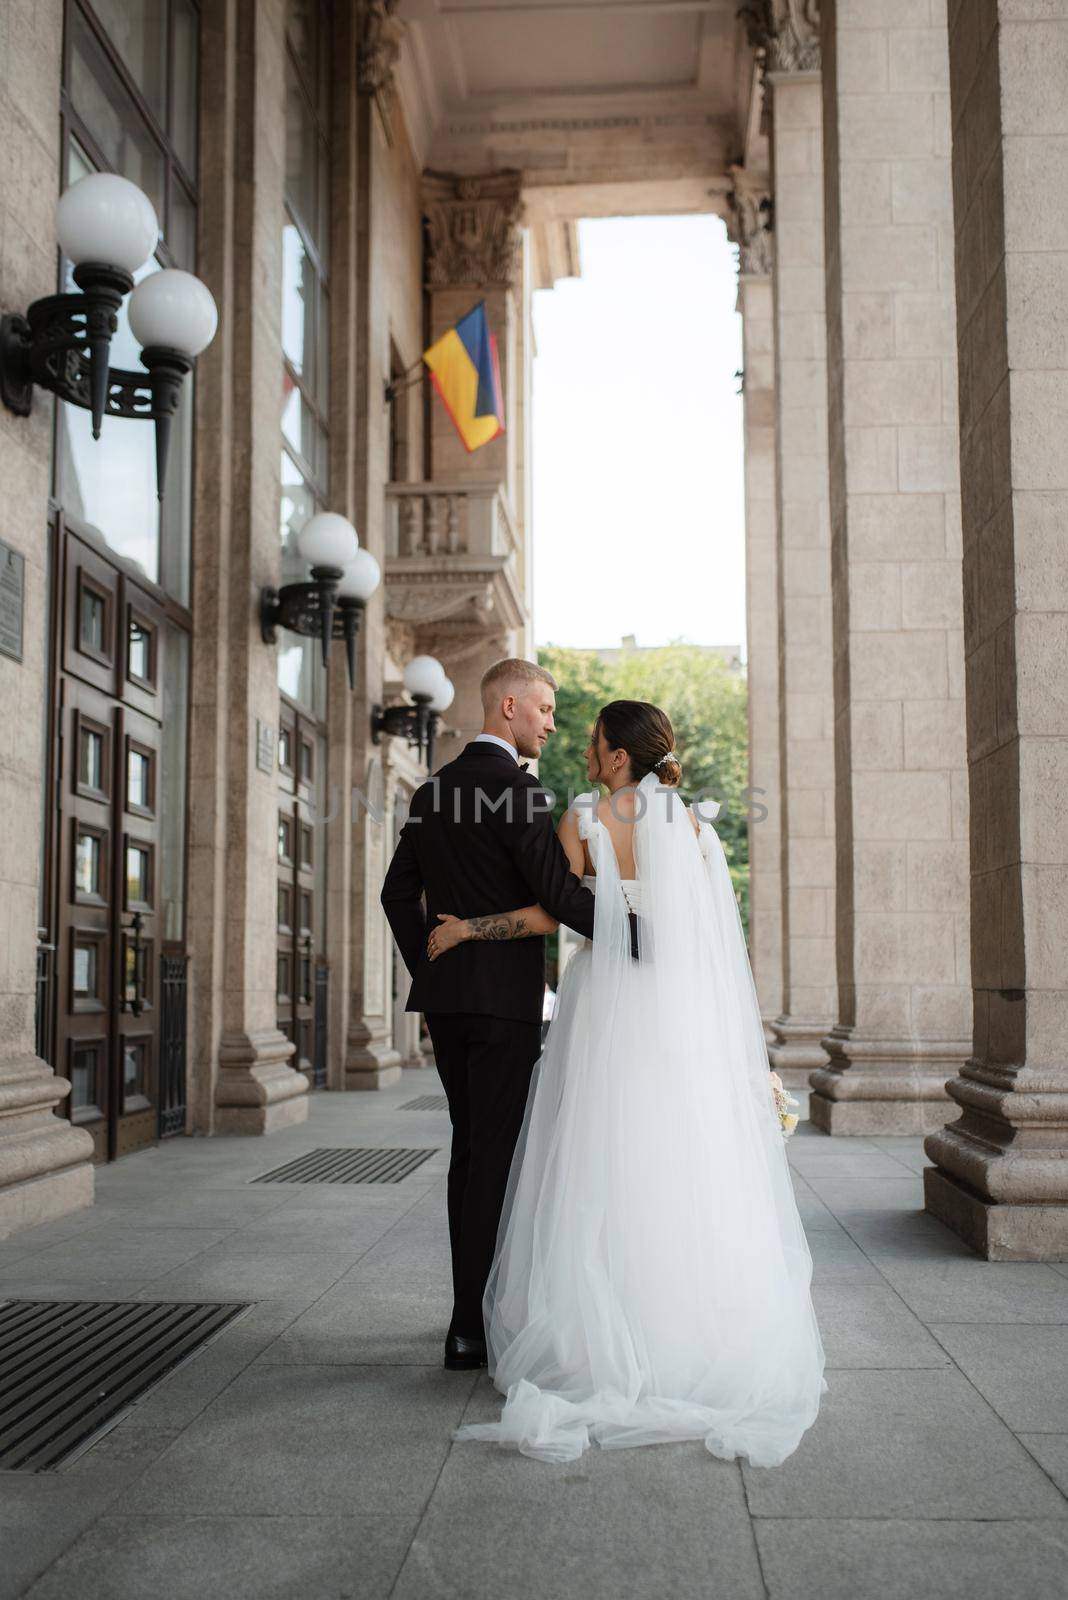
511,676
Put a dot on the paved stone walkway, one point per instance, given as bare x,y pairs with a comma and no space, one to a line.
306,1452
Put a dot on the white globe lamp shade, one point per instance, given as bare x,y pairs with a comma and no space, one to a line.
105,218
175,310
328,540
424,675
360,577
445,696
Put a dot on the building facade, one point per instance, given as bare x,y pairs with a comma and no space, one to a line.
198,820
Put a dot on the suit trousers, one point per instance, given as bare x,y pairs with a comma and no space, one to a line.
485,1065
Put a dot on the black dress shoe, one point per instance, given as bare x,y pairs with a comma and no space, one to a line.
464,1355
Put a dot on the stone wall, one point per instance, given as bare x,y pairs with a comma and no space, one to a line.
44,1162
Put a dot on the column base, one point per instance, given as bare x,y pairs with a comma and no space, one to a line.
997,1230
372,1062
258,1091
796,1050
875,1086
45,1162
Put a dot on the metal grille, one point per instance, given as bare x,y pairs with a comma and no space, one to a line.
43,1017
348,1166
427,1102
69,1366
322,991
174,990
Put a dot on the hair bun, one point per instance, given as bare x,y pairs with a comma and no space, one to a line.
668,768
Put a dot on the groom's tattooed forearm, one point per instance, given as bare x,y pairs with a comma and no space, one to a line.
497,927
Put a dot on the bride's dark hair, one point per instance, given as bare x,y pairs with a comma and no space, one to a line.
646,734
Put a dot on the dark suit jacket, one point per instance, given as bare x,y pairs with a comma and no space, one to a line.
479,839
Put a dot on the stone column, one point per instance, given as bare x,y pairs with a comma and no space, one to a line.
242,1078
901,806
804,576
45,1165
1001,1173
371,1060
750,208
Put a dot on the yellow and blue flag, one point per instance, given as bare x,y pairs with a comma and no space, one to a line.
465,371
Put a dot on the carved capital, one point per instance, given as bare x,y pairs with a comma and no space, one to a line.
379,46
787,31
749,223
472,228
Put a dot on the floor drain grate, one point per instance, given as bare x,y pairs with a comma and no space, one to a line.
427,1102
69,1366
348,1166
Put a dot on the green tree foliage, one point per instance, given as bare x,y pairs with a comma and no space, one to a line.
706,702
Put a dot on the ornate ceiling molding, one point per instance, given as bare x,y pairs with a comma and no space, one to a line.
787,31
473,228
750,222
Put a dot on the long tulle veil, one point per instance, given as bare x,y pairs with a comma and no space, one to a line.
652,1277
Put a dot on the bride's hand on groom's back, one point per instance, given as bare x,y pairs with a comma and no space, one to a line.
453,930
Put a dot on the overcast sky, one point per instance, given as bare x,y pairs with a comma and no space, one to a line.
638,494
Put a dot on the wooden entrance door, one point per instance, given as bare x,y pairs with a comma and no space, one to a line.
107,844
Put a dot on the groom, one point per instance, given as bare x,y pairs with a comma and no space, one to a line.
479,839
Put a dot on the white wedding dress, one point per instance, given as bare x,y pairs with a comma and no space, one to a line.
652,1277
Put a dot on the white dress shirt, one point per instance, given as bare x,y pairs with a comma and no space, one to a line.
492,738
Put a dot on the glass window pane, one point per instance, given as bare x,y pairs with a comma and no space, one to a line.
181,231
87,864
302,31
91,759
137,789
138,30
302,159
133,1069
300,429
137,880
298,305
183,128
85,971
91,623
140,651
108,112
322,351
83,1071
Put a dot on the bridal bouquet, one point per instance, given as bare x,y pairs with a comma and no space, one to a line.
783,1102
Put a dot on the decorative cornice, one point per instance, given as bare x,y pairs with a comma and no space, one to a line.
750,223
786,31
473,228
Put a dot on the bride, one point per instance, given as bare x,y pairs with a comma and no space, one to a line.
652,1278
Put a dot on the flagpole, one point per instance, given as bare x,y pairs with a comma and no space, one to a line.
397,386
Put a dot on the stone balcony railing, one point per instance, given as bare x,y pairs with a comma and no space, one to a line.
453,559
448,519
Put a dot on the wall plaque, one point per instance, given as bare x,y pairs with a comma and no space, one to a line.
12,592
264,746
